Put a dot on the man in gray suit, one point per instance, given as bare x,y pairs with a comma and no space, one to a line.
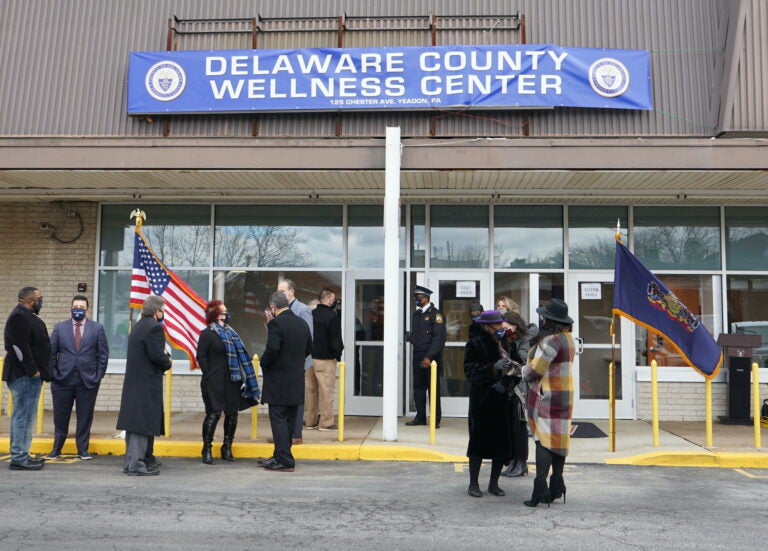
79,355
141,406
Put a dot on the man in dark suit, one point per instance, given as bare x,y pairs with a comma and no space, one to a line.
79,354
141,406
27,364
288,344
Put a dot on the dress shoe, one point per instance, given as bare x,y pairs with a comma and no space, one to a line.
437,425
278,467
267,462
26,465
297,441
142,473
474,491
416,421
36,460
311,427
495,490
332,427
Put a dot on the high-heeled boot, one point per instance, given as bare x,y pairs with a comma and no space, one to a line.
209,428
556,487
230,425
540,493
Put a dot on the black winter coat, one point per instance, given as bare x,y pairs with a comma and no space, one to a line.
28,333
141,406
288,344
220,393
494,421
326,337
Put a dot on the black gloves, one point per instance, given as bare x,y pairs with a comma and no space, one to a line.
506,384
502,366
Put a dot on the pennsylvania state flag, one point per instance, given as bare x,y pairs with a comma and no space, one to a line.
639,296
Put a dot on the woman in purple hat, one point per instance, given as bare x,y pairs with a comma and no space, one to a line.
493,413
548,374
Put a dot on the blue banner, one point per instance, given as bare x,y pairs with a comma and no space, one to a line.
440,77
641,297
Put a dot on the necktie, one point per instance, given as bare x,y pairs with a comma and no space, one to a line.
78,335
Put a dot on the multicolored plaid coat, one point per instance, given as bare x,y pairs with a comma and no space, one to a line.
550,394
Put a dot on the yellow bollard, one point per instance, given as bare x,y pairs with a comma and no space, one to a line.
756,404
655,402
432,402
708,412
255,409
40,410
168,394
611,411
342,369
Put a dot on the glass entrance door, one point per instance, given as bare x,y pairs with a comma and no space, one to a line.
590,300
453,295
364,343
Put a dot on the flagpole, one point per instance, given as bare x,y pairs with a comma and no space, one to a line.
612,372
140,216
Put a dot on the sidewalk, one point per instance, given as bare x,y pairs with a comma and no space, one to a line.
682,444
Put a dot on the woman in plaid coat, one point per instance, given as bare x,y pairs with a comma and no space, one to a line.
550,399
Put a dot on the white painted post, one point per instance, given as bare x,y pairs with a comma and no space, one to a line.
392,309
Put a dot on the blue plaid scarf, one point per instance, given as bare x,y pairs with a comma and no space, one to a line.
240,364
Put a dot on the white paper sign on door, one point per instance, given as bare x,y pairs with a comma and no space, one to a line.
591,291
466,289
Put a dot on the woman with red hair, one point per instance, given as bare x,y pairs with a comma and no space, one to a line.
228,377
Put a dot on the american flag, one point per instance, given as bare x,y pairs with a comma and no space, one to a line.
184,309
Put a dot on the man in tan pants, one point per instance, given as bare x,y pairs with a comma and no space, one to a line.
320,379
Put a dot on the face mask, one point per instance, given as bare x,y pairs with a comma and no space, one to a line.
38,306
500,333
227,318
502,310
78,314
509,334
161,319
417,302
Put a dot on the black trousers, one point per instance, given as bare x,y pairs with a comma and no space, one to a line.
64,396
421,387
282,420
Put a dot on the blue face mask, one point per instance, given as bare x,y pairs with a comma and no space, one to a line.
417,302
227,318
78,314
500,333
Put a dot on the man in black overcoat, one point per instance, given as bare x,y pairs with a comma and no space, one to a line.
141,407
288,344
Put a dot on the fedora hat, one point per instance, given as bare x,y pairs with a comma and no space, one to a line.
555,310
489,317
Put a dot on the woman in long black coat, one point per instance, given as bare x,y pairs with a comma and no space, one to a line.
221,393
493,414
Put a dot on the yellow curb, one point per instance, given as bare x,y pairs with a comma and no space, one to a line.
248,450
755,460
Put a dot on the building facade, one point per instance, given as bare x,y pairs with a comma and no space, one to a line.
522,203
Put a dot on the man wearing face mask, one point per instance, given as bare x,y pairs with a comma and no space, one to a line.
27,364
79,356
141,406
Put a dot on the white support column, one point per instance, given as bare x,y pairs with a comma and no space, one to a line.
393,309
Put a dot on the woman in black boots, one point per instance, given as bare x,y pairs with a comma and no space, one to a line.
493,416
228,378
550,399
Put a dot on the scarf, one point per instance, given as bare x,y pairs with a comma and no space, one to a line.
238,360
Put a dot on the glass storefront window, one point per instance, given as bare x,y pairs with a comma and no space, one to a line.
528,236
592,236
748,311
180,235
418,236
746,233
513,287
265,236
365,236
676,238
458,236
115,315
696,292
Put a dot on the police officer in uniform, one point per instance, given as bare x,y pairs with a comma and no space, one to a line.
428,339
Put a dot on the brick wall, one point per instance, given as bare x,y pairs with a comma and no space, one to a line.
686,401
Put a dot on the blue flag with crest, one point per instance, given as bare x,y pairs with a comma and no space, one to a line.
639,296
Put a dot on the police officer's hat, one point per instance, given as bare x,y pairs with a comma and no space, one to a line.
419,290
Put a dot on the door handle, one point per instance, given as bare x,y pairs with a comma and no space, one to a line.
579,345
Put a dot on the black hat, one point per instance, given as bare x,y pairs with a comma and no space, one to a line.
555,310
476,307
419,290
489,317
